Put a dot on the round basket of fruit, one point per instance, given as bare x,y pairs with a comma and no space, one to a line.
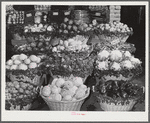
116,65
65,94
113,32
119,95
19,95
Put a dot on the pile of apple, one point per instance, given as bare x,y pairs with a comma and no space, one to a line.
70,26
38,28
23,62
39,46
64,90
20,90
115,27
77,43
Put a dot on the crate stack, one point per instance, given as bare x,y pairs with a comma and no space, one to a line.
114,13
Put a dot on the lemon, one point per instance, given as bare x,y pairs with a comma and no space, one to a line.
14,67
17,62
23,67
77,81
55,89
68,84
67,98
22,57
33,58
38,60
46,91
7,67
9,62
57,97
32,65
27,61
60,82
14,57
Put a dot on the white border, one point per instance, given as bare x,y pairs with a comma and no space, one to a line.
66,116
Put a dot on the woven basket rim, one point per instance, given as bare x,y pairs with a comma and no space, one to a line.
129,99
54,101
83,78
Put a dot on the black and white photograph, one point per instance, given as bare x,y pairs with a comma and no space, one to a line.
75,61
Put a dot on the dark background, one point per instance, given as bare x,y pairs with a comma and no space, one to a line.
134,16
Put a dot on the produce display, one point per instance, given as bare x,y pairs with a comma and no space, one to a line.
65,90
116,65
119,95
113,32
23,62
38,28
70,28
39,46
19,95
64,51
23,74
71,89
71,57
115,68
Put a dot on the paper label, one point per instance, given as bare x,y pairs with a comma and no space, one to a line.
29,15
98,14
55,13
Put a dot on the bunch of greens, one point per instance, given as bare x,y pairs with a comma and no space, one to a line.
66,63
119,92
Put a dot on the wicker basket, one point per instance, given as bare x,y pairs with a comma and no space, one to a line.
115,78
18,107
116,107
70,77
113,39
27,107
65,105
35,80
120,77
